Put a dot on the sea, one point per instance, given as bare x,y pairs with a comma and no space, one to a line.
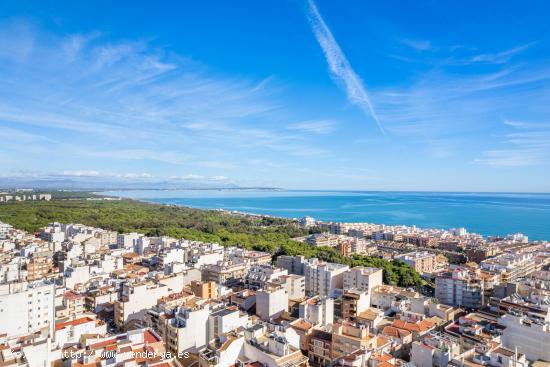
488,214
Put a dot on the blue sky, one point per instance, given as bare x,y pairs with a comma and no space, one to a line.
392,95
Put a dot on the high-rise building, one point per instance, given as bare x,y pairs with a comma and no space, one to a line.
461,288
362,278
27,307
323,278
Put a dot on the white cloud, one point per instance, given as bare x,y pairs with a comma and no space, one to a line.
527,145
132,101
81,174
339,65
195,177
418,45
500,57
314,126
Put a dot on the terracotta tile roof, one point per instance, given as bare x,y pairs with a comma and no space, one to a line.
382,357
395,332
103,344
149,337
70,295
79,321
301,324
421,326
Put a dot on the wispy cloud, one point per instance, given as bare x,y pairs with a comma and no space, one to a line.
500,57
85,175
527,145
444,103
132,101
195,177
314,126
418,45
339,65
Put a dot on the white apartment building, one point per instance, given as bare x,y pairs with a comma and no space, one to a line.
135,299
53,233
531,335
271,302
141,244
362,278
225,320
27,307
4,229
323,278
295,286
317,310
459,288
435,350
71,331
188,331
510,266
293,264
259,276
127,240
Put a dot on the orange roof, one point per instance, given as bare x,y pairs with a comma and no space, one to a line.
70,295
382,357
103,344
149,337
301,324
381,340
80,321
413,327
395,332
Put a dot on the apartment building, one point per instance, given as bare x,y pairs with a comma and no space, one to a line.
271,302
224,272
510,266
258,276
320,347
205,290
348,337
460,288
72,305
70,332
135,299
222,351
362,278
271,348
354,302
127,241
188,330
422,261
225,320
435,350
317,310
527,327
295,286
293,264
27,307
5,229
323,278
158,317
40,266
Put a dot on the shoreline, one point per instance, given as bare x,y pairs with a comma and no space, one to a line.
251,214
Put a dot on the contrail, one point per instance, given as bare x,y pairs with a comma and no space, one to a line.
339,65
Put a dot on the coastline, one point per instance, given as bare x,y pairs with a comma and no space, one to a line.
176,201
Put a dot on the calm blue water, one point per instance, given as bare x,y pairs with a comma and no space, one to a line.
484,213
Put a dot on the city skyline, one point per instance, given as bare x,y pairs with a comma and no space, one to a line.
306,95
